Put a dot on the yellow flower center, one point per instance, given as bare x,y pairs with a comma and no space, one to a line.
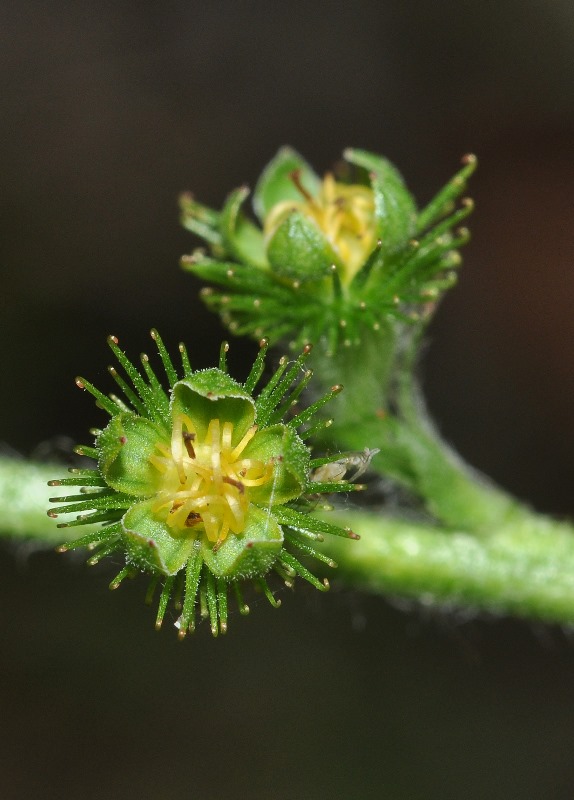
345,213
205,485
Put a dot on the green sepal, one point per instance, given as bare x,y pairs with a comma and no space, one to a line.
299,250
200,220
250,555
282,444
151,544
124,448
241,237
276,185
211,394
395,208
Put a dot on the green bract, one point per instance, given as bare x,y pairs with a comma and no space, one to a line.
332,258
204,486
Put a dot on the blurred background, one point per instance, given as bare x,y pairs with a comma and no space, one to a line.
109,110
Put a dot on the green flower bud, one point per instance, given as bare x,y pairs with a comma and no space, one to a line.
205,485
333,258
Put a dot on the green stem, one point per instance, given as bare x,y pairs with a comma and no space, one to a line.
526,569
382,407
24,500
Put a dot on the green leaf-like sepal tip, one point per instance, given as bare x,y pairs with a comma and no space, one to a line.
332,258
205,484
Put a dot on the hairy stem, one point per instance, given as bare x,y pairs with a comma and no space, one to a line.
525,569
24,500
382,407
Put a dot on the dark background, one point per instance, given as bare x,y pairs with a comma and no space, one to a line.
109,110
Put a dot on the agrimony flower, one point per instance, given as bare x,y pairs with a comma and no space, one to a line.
333,258
203,486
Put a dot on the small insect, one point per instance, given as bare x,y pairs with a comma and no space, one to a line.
350,466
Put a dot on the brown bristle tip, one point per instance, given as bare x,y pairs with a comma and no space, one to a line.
352,535
157,625
181,634
337,388
333,564
153,334
326,583
62,549
50,513
113,585
62,525
223,628
113,339
144,357
79,383
263,342
307,349
469,158
54,483
467,202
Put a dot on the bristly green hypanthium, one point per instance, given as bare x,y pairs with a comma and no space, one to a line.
206,485
334,259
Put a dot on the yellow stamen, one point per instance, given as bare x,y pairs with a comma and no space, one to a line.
205,483
345,213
